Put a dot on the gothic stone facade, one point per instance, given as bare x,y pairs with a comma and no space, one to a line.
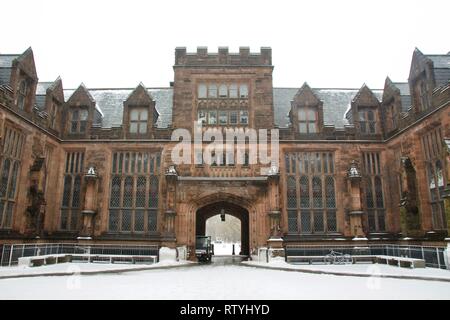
96,163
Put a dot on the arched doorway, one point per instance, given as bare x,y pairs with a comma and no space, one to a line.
210,210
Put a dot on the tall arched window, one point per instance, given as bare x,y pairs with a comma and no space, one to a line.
317,192
135,185
291,192
71,200
10,160
316,208
329,192
432,143
304,192
374,192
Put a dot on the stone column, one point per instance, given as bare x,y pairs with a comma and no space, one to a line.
90,203
356,213
169,237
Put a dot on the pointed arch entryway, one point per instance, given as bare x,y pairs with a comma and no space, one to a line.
205,207
210,210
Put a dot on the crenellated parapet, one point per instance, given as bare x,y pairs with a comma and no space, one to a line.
223,57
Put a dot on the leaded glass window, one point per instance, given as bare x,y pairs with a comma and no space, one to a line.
373,189
222,117
367,121
71,200
134,192
307,120
316,207
292,221
292,192
10,161
138,120
78,120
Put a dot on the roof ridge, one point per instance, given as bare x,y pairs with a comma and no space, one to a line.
148,88
314,88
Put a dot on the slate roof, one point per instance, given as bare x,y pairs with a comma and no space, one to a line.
5,67
441,66
41,91
7,59
110,102
336,102
41,88
40,102
440,60
405,96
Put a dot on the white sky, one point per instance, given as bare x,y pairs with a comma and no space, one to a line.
326,43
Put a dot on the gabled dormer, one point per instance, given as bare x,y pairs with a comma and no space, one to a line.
421,81
79,113
139,114
365,113
391,106
24,80
54,100
306,113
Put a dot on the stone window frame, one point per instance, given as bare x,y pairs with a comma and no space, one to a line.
10,164
308,120
140,122
365,123
374,195
142,168
203,117
302,208
436,178
214,90
80,124
72,197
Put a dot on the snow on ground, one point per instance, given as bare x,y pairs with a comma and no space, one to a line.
219,282
372,269
226,248
81,267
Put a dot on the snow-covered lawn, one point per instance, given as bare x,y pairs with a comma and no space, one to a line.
220,282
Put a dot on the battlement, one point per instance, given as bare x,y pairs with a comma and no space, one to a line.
223,57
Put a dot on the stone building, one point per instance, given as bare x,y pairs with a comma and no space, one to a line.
95,164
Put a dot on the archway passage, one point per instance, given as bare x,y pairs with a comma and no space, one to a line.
210,210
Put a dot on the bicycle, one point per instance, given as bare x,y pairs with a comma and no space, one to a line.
335,257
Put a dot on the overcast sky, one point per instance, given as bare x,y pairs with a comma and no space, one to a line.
336,44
